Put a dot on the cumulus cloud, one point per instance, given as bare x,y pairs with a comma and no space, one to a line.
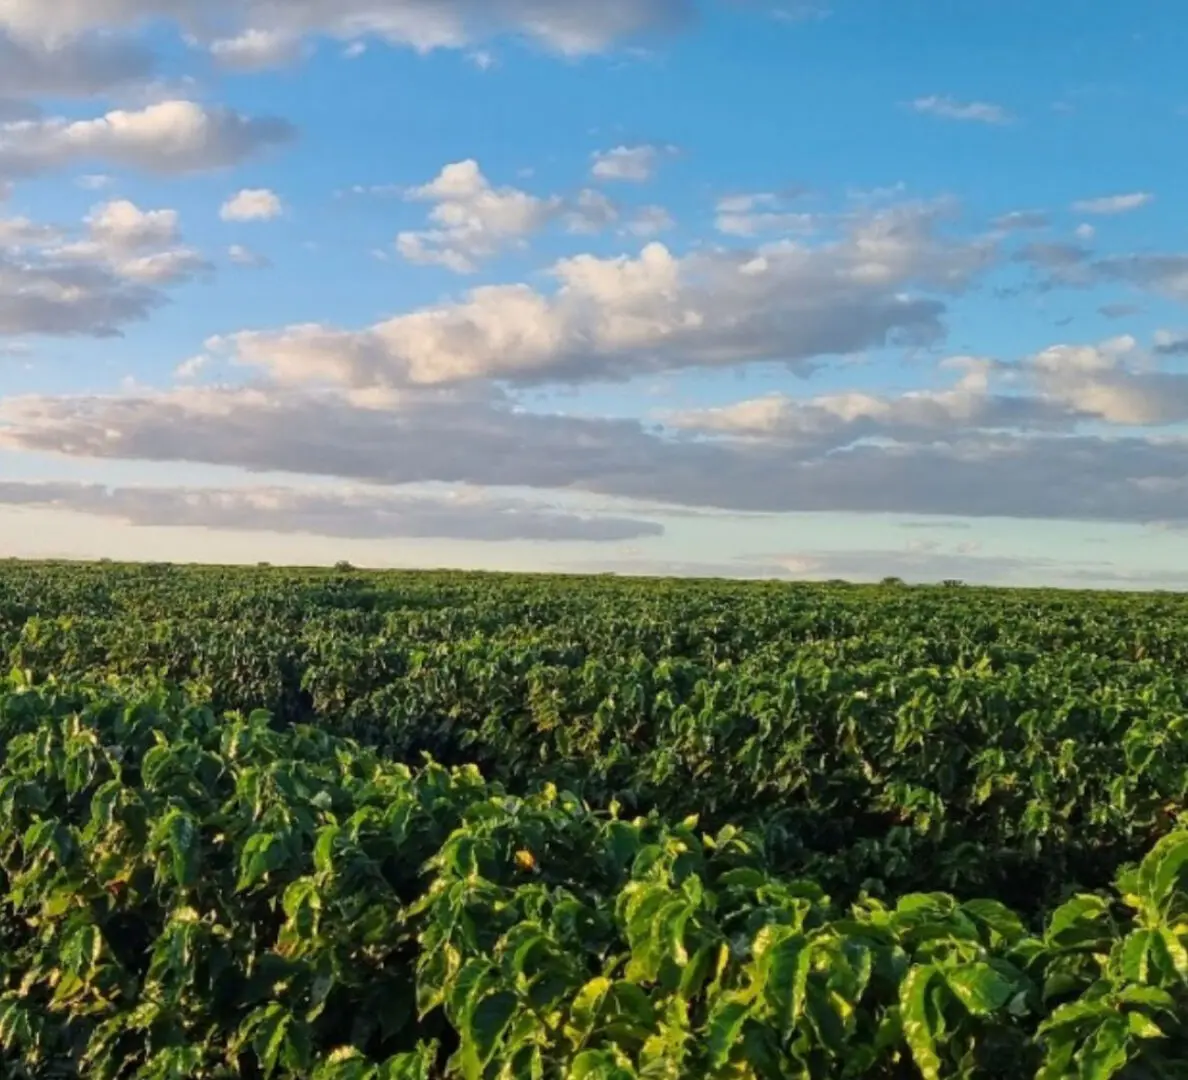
44,294
472,220
620,317
1114,204
74,68
191,368
123,225
948,108
252,204
830,421
633,164
138,245
1054,390
56,282
570,27
347,514
168,138
1112,382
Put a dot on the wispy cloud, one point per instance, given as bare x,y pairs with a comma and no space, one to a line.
1114,204
947,108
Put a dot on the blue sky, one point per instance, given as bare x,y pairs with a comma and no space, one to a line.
731,287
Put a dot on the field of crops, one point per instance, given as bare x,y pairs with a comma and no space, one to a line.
354,826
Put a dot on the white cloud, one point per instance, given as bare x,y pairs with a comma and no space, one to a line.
649,221
122,225
1166,275
62,296
142,246
1022,220
1057,389
18,233
74,68
1113,382
1114,204
947,108
397,438
841,419
252,204
1171,344
349,513
243,256
634,164
472,221
591,212
192,368
571,27
620,317
53,281
751,215
169,138
255,49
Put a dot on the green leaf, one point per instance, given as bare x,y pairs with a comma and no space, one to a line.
1152,997
263,853
583,1012
917,1025
1134,956
346,1063
415,1065
1170,953
788,965
1077,1012
1108,1051
1160,871
178,833
303,904
722,1032
979,987
269,1026
1143,1027
483,1029
1077,920
599,1065
324,848
998,917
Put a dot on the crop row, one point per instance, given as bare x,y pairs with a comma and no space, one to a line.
190,896
893,739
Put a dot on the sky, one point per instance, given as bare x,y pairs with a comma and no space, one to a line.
740,288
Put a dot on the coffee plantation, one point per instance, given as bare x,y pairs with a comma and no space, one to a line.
354,826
